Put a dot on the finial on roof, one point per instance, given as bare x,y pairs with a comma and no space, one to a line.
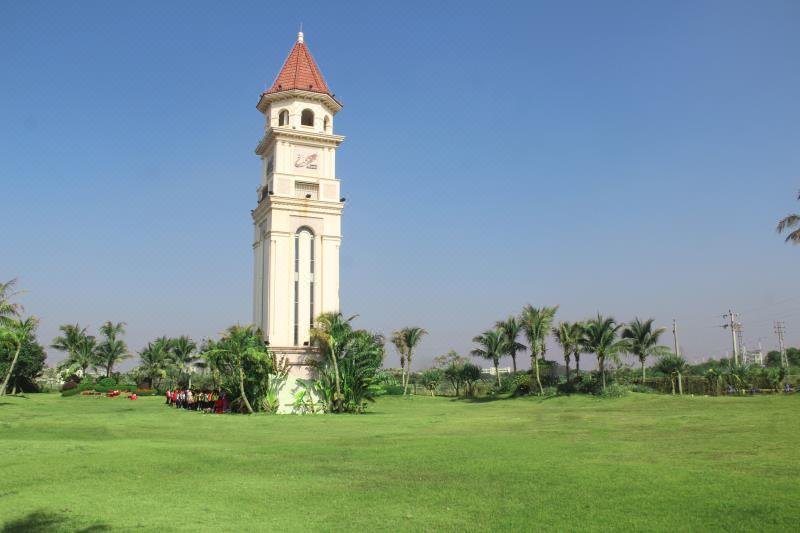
299,37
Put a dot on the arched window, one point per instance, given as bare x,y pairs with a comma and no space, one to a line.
304,259
283,118
326,123
307,118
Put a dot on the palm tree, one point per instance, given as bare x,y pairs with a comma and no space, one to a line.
494,345
568,335
511,328
674,366
536,323
330,334
68,341
154,360
399,345
183,354
642,341
410,338
789,222
239,346
600,338
83,356
18,332
362,357
8,309
112,350
578,348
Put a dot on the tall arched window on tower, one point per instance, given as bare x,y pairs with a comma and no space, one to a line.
304,259
307,118
283,118
326,124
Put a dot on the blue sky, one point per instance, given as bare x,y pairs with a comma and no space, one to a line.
630,158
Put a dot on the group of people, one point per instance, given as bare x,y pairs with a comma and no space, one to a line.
193,400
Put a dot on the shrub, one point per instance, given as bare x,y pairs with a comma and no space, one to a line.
549,391
506,385
614,391
521,384
87,383
480,388
68,386
566,387
589,384
638,387
72,391
107,382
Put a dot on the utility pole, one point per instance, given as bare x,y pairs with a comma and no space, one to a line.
675,337
734,325
780,327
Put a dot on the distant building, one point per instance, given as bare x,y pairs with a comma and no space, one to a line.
500,370
753,357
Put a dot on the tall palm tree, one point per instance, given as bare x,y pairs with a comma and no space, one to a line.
399,345
154,360
511,329
493,346
536,323
600,338
83,355
112,349
8,309
568,335
18,332
183,354
331,334
789,222
642,341
411,338
72,335
239,346
578,348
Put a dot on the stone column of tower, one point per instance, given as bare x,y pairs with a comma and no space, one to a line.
297,221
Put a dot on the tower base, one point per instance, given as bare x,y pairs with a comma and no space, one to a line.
297,358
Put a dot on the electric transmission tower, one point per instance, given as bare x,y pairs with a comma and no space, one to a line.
735,327
780,328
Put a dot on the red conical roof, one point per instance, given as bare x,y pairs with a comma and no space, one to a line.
299,72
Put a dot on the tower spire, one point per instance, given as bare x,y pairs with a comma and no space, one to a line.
299,71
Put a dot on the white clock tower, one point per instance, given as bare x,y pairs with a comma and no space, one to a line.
297,220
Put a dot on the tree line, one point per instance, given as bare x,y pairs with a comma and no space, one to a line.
601,335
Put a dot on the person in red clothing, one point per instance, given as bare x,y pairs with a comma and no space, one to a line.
218,404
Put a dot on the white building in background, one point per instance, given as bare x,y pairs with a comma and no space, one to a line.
297,221
753,357
500,370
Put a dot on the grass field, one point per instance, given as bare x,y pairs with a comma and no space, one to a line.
568,463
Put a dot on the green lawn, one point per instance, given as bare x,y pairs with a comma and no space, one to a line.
640,462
